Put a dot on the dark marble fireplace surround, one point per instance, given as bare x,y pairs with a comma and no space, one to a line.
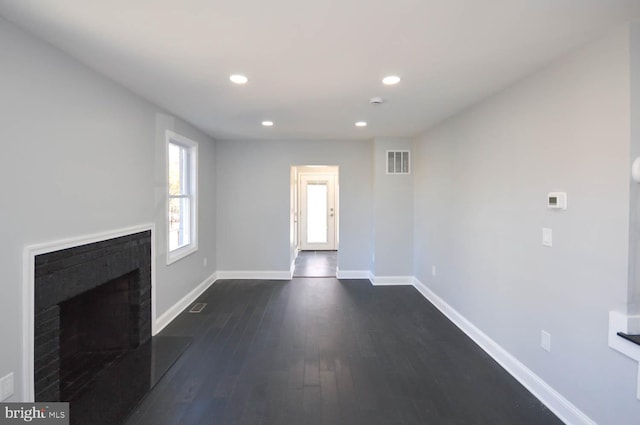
92,305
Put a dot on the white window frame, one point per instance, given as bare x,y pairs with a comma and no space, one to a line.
192,164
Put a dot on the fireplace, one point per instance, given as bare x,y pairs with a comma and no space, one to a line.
97,327
92,307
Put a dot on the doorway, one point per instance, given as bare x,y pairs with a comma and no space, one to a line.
315,214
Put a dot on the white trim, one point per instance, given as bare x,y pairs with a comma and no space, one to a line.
292,269
28,303
180,253
563,408
255,274
154,311
619,322
28,290
391,280
173,311
353,274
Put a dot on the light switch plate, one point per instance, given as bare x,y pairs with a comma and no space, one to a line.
545,340
547,236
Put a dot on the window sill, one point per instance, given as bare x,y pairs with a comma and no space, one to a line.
180,253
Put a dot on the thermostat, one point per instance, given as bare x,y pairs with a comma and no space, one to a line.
557,200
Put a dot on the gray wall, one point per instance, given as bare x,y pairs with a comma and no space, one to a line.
480,186
634,189
253,201
392,214
81,155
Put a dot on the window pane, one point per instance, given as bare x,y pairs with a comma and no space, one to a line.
390,162
176,171
179,213
317,213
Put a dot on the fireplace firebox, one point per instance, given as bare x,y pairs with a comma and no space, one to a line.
92,306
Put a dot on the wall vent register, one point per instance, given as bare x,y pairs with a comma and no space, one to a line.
398,162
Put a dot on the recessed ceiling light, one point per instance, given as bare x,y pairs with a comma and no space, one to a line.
238,79
361,124
391,80
267,123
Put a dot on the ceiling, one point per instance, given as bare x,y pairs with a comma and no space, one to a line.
314,65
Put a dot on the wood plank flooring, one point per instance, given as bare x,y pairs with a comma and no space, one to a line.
316,264
326,352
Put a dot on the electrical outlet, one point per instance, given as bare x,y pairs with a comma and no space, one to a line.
6,387
545,340
433,270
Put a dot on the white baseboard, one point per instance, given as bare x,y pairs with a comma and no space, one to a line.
258,275
173,312
391,280
559,405
353,274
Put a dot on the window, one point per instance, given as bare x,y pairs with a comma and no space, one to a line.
398,162
182,160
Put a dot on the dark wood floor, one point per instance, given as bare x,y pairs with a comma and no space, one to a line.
324,351
316,264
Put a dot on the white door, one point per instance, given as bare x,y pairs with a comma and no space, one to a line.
317,212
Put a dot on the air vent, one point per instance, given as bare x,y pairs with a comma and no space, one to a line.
398,162
197,307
